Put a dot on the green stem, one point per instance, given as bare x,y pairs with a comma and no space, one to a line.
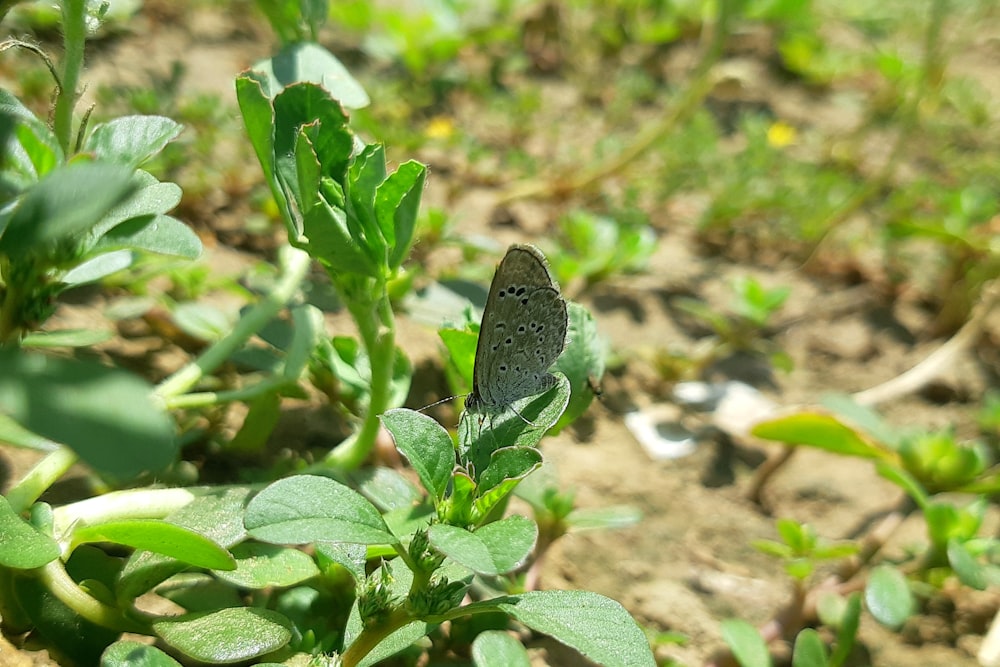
371,636
296,263
74,27
206,398
119,505
40,478
55,578
377,330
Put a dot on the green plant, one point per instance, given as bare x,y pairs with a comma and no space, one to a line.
930,467
746,327
596,247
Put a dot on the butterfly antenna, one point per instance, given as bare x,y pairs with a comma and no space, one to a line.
443,400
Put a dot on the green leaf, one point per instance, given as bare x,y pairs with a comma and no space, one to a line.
888,596
508,466
426,445
159,537
107,416
461,346
394,643
387,488
227,635
160,234
494,648
66,338
604,518
131,140
306,508
22,546
397,203
820,431
134,654
847,632
903,480
330,242
259,566
496,548
98,267
746,643
969,571
309,62
864,418
216,514
258,117
582,362
596,626
331,138
263,413
524,424
67,201
809,650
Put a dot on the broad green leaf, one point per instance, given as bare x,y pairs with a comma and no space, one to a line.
494,648
426,445
151,198
864,418
351,557
596,626
260,566
461,346
134,654
67,201
131,140
331,138
12,433
818,430
159,537
309,62
365,173
330,242
201,320
394,643
107,416
227,635
22,546
160,234
386,488
888,596
809,650
746,643
263,413
30,149
496,548
217,514
98,267
509,463
969,571
582,362
307,508
258,117
397,202
524,424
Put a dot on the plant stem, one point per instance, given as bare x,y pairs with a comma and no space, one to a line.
371,636
206,398
119,505
377,330
74,27
40,478
295,263
55,578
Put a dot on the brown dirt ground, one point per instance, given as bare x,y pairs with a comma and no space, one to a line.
689,563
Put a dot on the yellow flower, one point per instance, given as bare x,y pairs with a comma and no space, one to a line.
781,134
439,127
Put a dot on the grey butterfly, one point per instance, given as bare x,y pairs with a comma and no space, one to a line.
522,333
